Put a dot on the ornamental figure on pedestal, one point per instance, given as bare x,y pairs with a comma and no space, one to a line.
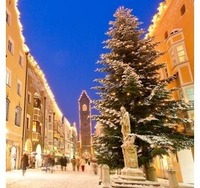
128,148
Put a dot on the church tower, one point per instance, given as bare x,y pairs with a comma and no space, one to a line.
85,125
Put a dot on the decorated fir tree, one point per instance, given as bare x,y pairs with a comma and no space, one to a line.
131,79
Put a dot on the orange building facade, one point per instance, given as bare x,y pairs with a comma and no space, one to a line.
173,27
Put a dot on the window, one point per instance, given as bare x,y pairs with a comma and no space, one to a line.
34,126
37,103
7,18
7,108
173,58
28,121
181,54
166,74
29,97
10,46
18,115
8,77
178,54
166,35
182,10
20,60
19,88
189,93
63,118
180,93
49,118
50,135
50,127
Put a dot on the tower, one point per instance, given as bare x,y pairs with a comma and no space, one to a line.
85,125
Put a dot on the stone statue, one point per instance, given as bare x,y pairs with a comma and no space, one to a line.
128,148
125,123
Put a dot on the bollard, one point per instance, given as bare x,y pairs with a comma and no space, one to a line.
100,174
173,183
151,174
105,176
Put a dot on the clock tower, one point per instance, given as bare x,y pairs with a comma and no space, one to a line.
85,125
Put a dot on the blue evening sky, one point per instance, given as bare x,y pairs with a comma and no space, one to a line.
65,38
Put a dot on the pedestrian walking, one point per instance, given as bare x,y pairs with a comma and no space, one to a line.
51,163
82,164
73,161
24,163
64,163
95,166
78,163
46,163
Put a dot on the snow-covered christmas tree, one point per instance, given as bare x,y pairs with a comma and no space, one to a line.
131,79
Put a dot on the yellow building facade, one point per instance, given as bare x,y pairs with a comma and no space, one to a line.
15,86
173,27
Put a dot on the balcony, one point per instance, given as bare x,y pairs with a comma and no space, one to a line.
56,135
36,127
37,103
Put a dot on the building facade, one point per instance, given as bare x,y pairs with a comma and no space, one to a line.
33,132
173,27
15,85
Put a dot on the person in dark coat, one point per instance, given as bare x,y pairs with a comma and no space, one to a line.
64,163
52,163
24,163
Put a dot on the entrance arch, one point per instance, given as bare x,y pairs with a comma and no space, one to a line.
28,146
13,157
38,156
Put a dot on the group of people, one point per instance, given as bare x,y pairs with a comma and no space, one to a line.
77,163
63,163
48,163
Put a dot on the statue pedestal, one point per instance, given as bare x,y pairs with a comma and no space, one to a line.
132,174
130,155
132,177
131,170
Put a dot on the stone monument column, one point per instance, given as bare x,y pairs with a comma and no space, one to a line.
129,150
131,174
